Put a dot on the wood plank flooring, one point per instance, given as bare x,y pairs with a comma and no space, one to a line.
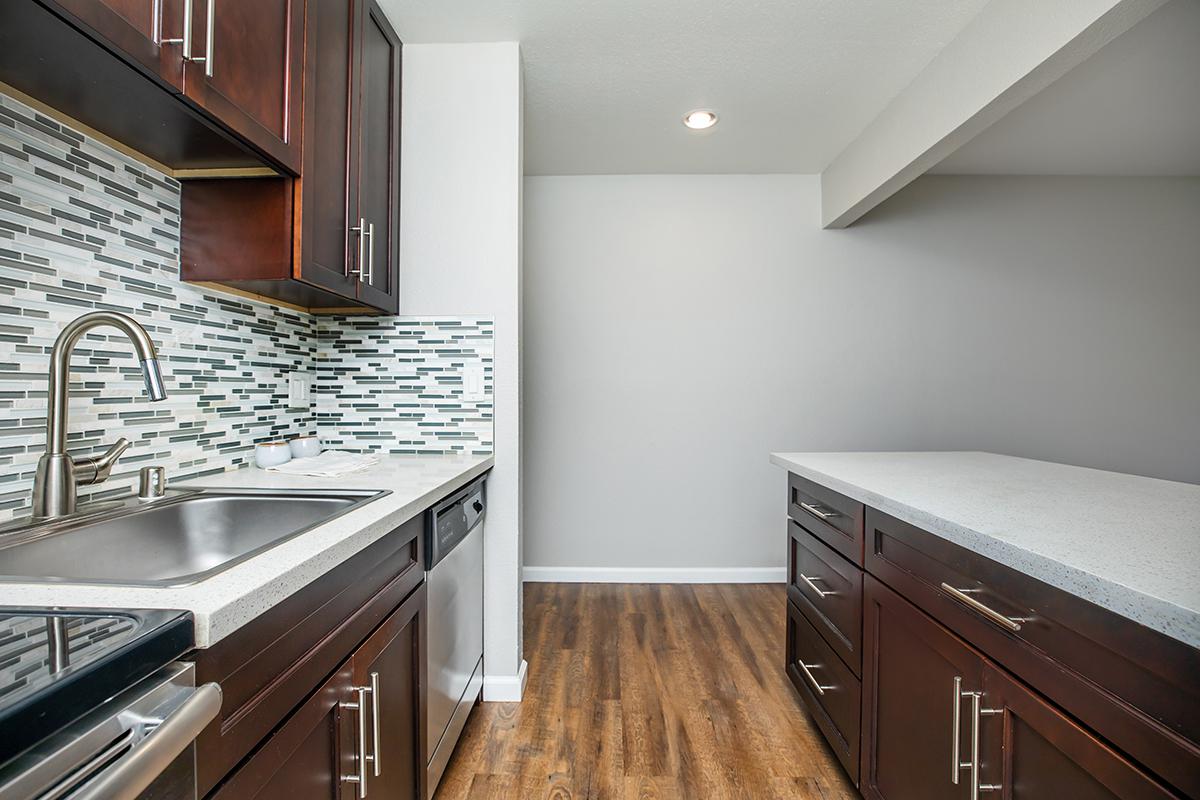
648,692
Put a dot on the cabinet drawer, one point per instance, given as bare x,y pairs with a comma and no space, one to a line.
1132,683
828,590
827,686
835,519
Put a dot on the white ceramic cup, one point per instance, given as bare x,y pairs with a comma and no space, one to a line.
305,446
272,454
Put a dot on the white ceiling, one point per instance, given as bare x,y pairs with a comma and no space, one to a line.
1131,109
607,81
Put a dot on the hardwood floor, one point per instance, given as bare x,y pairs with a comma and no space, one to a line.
648,692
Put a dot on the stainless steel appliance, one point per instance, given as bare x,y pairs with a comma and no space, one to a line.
93,705
454,582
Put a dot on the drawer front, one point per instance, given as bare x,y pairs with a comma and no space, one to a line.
834,518
1131,683
828,688
828,591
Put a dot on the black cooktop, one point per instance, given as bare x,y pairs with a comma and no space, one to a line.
56,664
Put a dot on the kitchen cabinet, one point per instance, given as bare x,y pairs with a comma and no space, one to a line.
329,240
974,674
378,162
221,93
243,66
358,734
387,675
919,679
307,756
365,615
941,721
1032,751
148,32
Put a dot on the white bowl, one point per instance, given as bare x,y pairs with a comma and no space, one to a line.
272,454
305,446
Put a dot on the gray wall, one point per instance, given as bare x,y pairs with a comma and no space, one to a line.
680,327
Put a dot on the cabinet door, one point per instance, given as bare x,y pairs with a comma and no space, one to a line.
147,32
917,682
249,77
389,675
328,184
379,159
307,757
1032,751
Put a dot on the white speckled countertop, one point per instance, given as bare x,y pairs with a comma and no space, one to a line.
226,601
1124,542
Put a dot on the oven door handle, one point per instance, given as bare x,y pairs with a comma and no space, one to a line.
146,760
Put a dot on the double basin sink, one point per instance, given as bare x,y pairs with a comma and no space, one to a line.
180,539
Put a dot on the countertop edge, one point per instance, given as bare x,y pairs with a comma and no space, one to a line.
1181,624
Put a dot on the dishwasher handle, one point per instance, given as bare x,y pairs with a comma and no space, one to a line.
146,760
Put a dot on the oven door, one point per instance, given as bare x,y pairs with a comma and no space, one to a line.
138,745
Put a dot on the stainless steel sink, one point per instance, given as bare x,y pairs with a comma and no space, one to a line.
174,541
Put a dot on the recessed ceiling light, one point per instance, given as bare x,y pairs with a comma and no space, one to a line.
700,119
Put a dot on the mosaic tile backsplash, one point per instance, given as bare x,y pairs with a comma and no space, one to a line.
400,385
83,227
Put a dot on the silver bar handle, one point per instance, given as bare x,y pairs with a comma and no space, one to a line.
963,596
817,512
955,731
359,706
807,669
376,761
129,777
977,712
210,19
158,24
187,30
821,593
361,230
370,252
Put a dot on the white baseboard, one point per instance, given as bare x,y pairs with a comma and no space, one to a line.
655,574
506,688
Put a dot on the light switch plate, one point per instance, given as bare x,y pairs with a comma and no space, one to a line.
299,390
473,382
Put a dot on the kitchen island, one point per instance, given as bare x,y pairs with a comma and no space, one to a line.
1037,624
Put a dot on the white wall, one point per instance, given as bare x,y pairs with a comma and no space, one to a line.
461,255
680,327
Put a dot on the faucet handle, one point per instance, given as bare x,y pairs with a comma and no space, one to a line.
97,470
152,483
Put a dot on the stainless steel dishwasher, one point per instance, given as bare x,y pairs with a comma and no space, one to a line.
454,582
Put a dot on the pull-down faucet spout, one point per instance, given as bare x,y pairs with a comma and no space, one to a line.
58,473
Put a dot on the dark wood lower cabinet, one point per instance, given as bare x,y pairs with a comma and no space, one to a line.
942,721
1032,751
914,733
1020,692
361,726
306,757
389,669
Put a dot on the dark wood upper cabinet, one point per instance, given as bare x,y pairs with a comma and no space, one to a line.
328,189
378,166
109,65
149,32
245,70
328,240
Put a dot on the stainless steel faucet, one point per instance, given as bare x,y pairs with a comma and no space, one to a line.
58,473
